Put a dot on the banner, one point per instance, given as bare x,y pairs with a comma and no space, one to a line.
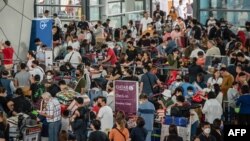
42,29
126,96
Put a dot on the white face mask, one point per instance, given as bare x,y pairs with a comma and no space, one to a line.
164,47
190,93
207,130
49,77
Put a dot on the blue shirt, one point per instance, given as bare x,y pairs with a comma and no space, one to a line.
147,88
244,103
146,111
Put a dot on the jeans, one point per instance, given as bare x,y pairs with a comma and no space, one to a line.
148,138
54,129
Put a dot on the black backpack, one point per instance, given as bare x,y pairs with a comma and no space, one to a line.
180,111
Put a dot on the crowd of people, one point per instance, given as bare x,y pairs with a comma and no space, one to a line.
177,62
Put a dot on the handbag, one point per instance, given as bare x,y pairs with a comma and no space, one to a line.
155,90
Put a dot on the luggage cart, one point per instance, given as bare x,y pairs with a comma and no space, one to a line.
32,133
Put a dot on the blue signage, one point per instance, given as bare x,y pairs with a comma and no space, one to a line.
42,29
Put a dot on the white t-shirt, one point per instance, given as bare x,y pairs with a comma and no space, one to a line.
194,53
76,45
111,100
37,71
74,60
144,22
106,117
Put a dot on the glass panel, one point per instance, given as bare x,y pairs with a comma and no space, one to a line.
113,0
62,11
123,7
114,8
204,16
93,2
61,2
115,21
224,4
138,5
235,18
94,13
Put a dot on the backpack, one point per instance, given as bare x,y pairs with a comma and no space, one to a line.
93,39
179,111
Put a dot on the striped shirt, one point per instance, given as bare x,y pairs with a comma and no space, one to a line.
53,109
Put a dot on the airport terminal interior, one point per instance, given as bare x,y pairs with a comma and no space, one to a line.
124,70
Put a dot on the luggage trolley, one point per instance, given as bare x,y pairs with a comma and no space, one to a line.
32,133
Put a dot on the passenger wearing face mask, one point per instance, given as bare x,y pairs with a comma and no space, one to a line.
105,114
206,133
165,101
49,80
81,82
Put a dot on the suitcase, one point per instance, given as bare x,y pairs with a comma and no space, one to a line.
178,121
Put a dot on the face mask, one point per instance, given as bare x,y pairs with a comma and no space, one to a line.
169,19
190,93
77,75
164,47
140,102
207,131
49,77
177,83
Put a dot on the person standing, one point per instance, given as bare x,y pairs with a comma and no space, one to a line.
78,123
147,110
206,133
173,134
111,57
81,82
46,14
139,133
105,114
145,21
120,132
8,53
73,57
22,78
57,21
53,115
97,135
149,81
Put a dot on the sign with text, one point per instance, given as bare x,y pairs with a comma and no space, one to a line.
236,132
126,96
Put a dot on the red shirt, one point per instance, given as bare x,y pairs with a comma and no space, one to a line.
8,55
112,55
96,109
